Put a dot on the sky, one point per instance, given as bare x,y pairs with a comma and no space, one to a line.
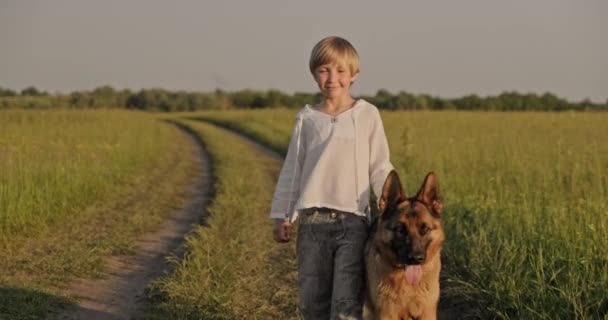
445,48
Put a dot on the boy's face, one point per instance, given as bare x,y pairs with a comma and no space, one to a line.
334,79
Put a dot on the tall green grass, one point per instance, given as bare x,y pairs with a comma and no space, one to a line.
76,187
271,127
56,162
526,216
233,269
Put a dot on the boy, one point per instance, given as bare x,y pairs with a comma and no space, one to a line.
338,148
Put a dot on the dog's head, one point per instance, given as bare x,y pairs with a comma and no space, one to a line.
409,230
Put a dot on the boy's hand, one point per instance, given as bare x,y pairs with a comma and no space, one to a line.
282,230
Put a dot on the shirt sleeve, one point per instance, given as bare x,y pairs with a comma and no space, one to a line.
287,189
379,156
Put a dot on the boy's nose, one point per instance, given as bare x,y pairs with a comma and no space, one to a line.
333,75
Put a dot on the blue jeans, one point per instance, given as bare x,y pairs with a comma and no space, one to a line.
331,270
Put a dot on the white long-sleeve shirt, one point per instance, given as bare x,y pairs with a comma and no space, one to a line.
332,161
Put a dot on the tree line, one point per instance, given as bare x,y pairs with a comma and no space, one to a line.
168,101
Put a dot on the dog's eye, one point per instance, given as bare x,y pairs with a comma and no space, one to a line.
424,229
400,229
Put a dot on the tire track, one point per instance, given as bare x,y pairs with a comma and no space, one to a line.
121,294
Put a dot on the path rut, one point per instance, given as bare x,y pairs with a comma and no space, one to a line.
120,295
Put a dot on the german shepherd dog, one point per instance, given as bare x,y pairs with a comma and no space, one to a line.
403,253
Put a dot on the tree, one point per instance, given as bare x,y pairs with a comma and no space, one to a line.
33,92
422,102
7,92
406,101
469,102
245,99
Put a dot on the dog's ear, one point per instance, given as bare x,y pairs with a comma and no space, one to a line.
392,193
429,194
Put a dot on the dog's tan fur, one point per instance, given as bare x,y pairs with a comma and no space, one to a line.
389,295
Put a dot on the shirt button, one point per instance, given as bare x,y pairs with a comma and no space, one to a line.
332,215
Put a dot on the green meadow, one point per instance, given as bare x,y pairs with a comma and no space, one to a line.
524,208
524,193
54,162
233,269
75,187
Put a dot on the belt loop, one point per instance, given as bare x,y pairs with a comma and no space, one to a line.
315,215
343,230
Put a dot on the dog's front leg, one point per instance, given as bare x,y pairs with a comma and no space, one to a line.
429,312
389,310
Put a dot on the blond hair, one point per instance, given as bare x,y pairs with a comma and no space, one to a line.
331,50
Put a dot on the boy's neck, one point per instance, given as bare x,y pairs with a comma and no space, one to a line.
334,105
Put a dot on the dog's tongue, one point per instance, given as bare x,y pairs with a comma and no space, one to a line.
413,274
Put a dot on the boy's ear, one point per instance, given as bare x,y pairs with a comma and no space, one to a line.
354,77
429,193
392,193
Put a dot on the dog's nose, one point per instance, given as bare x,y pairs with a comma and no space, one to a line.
416,258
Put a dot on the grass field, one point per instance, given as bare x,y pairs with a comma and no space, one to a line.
233,269
54,162
271,127
76,186
524,193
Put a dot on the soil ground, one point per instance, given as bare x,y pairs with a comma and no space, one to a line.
120,293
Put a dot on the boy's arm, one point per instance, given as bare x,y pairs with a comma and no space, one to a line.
287,188
379,157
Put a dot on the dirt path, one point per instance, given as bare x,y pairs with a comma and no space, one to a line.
120,294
